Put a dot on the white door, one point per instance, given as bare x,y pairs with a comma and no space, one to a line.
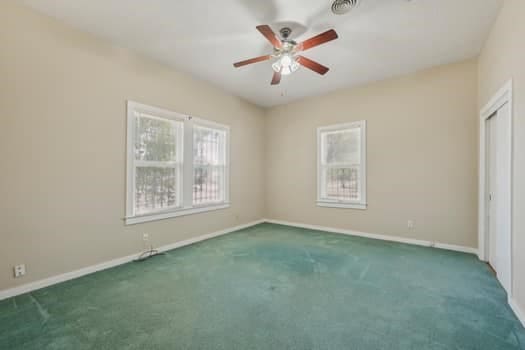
491,189
499,194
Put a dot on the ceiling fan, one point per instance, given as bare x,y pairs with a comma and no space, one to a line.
286,52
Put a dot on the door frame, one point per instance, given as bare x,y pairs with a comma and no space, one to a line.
503,96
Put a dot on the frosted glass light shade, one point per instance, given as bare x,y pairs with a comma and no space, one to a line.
287,64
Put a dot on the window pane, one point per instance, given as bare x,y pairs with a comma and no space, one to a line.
342,147
208,184
156,139
209,159
155,189
208,146
342,183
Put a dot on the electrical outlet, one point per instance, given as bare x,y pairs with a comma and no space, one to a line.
410,224
19,270
145,237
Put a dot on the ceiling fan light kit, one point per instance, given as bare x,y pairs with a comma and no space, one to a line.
286,65
286,52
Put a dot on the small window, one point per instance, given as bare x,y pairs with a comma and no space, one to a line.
177,165
342,166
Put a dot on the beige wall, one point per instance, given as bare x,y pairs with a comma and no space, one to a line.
422,156
63,113
502,59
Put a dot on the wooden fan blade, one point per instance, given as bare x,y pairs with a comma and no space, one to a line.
276,78
318,40
316,67
252,60
270,35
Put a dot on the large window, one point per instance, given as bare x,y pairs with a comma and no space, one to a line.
342,166
177,165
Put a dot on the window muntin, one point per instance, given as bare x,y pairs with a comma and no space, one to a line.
341,164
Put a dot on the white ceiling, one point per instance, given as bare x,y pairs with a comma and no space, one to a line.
379,39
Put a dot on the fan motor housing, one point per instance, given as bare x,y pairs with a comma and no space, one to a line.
341,7
285,32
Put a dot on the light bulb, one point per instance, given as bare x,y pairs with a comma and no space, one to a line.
286,61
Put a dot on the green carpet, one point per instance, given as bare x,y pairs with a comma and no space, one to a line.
273,287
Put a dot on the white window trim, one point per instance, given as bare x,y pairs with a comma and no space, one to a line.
322,202
186,186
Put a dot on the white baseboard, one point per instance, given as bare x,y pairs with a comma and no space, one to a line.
46,282
208,236
378,236
29,287
520,314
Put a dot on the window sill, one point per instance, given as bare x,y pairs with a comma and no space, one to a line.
133,220
342,205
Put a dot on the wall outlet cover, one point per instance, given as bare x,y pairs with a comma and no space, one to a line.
19,270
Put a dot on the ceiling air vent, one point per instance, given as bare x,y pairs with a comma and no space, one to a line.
340,7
